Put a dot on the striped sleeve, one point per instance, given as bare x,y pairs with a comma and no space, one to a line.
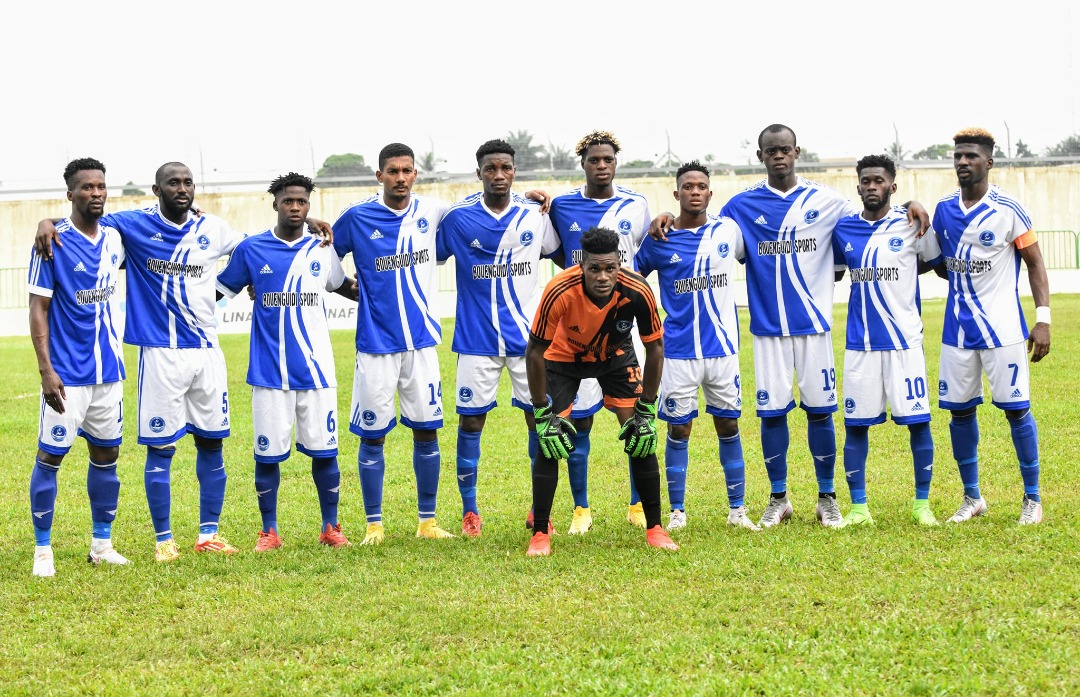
552,306
648,320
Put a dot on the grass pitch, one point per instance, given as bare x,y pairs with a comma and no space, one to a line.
986,607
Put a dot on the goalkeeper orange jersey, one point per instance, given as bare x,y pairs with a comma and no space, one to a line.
579,331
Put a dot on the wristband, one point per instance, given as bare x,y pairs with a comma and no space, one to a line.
1042,315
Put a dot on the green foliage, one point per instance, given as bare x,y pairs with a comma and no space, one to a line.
941,151
1068,147
131,190
528,155
344,165
560,157
983,608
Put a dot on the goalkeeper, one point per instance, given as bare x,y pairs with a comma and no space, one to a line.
582,330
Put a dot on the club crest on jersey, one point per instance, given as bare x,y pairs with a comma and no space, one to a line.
368,416
316,268
422,224
113,259
986,238
942,388
623,326
849,405
762,397
723,250
58,433
157,424
203,241
811,215
669,404
526,238
624,227
465,395
895,244
263,443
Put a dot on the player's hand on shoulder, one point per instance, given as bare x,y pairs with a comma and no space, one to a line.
44,239
660,226
918,216
321,228
540,196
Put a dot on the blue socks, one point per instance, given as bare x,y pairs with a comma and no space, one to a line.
775,439
922,455
731,459
856,450
327,477
43,500
103,489
372,469
210,469
158,493
577,469
821,437
1025,437
267,482
964,429
426,463
676,460
468,465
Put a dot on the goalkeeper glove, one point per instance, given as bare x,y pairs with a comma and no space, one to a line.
639,431
555,433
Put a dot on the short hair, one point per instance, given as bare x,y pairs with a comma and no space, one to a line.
494,147
81,164
160,173
395,150
883,161
776,128
596,138
599,240
291,179
976,136
692,166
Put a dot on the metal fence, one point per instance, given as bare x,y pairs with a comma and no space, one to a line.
1060,249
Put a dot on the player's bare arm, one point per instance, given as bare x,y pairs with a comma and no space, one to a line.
321,228
652,370
1039,337
660,225
46,236
540,196
916,214
536,371
52,387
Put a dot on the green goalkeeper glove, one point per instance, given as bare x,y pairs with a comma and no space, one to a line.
639,431
555,433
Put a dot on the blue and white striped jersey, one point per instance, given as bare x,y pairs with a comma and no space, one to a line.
696,269
290,340
789,259
394,254
627,213
497,259
982,246
883,261
171,275
81,282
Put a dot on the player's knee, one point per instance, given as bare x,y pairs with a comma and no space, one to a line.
422,435
374,442
1016,414
471,423
963,414
680,431
725,427
203,443
812,416
49,458
583,424
104,454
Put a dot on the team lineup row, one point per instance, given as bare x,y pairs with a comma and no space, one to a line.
569,350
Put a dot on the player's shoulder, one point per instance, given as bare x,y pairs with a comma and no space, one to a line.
755,189
953,195
627,192
565,280
722,222
357,207
521,200
469,202
256,240
1002,199
569,197
632,280
821,190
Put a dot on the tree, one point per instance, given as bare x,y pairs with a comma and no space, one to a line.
941,151
131,190
527,155
1066,148
625,168
560,157
429,163
896,151
1022,149
345,165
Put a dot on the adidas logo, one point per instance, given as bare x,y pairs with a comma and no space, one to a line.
832,398
847,247
438,412
675,258
574,227
476,244
157,237
79,267
225,421
376,235
575,328
332,441
1017,393
761,220
917,406
266,269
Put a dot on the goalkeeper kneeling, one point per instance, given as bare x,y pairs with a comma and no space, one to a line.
582,330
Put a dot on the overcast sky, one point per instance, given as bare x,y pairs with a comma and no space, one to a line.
240,89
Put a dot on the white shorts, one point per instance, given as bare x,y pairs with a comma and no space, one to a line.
182,390
478,383
718,378
872,378
274,413
779,359
95,412
960,382
413,375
